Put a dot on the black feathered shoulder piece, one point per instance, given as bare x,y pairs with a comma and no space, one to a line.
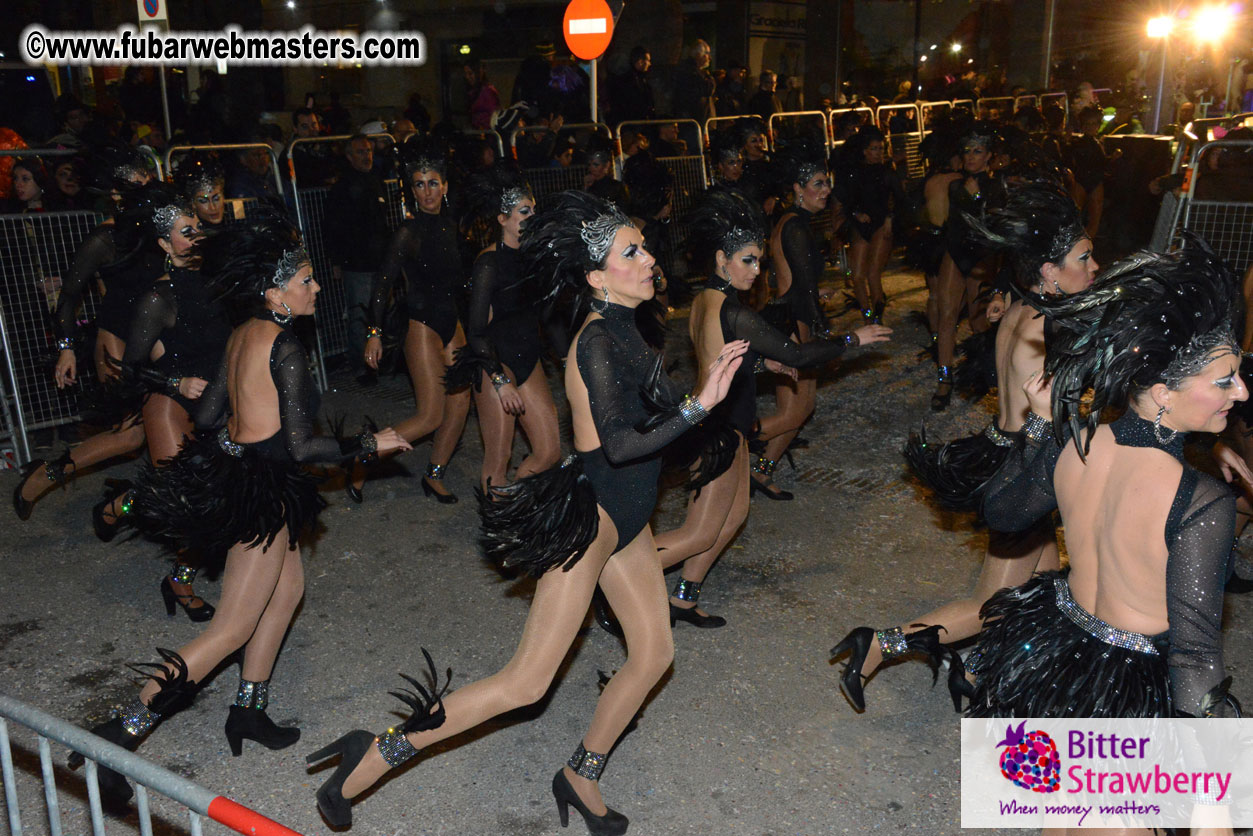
724,220
1037,225
246,259
570,239
1151,318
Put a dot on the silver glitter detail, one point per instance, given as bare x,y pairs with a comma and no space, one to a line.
598,234
164,218
435,471
127,171
1094,626
253,694
182,573
369,444
692,410
1199,353
231,448
289,265
892,642
394,747
1036,427
587,764
981,141
738,238
65,344
992,434
686,590
764,466
510,198
137,719
1064,241
807,170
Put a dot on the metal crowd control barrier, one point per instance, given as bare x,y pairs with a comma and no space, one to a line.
242,146
549,180
575,127
985,107
963,104
930,110
491,136
1060,100
792,124
867,116
907,141
690,133
38,249
712,124
1227,225
1028,100
199,801
156,161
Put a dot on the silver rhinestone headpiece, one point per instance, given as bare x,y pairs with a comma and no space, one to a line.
739,238
289,265
510,198
164,218
1064,241
807,170
980,141
125,171
598,234
1200,351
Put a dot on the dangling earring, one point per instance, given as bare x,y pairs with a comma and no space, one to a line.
598,306
1157,429
283,319
169,263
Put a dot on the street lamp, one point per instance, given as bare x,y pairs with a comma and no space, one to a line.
1160,27
955,48
1211,24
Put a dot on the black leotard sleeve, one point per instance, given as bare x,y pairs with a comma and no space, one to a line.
405,244
1022,492
483,280
96,251
798,249
155,312
743,323
289,367
211,408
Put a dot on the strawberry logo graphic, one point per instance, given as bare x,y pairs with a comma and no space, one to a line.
1030,760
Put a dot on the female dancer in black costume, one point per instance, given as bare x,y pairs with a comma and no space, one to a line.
239,490
424,253
620,402
798,264
202,181
502,353
1133,627
728,231
124,280
1039,229
870,193
961,269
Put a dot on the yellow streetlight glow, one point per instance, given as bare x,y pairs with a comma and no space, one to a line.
1212,23
1160,27
955,48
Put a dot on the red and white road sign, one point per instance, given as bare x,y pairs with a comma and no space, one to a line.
588,27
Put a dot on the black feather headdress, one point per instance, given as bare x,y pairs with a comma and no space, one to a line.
725,146
495,191
724,220
650,186
147,213
245,260
198,173
570,239
800,159
114,166
1151,318
1039,224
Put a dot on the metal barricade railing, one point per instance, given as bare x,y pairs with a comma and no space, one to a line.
791,124
906,142
198,801
1059,99
181,150
36,250
717,123
933,110
689,133
569,128
549,180
162,169
990,105
1227,225
690,181
967,105
77,152
834,117
1029,100
490,136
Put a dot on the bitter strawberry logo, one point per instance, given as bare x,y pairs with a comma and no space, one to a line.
1030,760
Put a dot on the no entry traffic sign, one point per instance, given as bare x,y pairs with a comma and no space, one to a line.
588,27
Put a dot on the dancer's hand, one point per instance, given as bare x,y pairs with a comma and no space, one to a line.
868,334
67,368
721,371
779,368
390,441
1232,464
996,307
373,351
192,387
511,399
1039,392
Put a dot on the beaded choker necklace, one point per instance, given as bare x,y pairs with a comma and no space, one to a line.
1133,431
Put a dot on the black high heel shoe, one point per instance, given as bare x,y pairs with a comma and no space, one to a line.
612,823
254,724
691,616
958,685
893,644
197,614
436,472
858,641
54,471
351,748
114,490
604,615
940,400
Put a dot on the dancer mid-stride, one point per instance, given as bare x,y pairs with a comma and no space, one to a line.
574,526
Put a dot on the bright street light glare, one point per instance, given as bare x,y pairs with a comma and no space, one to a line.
1212,23
955,48
1160,27
922,59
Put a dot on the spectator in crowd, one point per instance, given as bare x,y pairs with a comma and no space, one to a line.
531,83
764,102
694,87
417,114
67,193
1086,158
630,96
599,179
402,129
732,97
481,95
563,154
633,142
1126,120
139,95
311,161
793,94
336,117
356,233
30,179
727,158
384,160
73,116
1085,96
536,148
251,175
668,143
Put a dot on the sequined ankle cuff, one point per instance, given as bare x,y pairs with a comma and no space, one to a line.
891,642
686,590
137,719
182,573
587,764
394,747
253,694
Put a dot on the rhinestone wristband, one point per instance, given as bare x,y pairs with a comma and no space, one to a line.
692,410
369,446
65,344
760,366
1036,427
172,384
852,340
499,380
373,331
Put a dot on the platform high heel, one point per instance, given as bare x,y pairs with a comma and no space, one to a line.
893,643
351,748
587,765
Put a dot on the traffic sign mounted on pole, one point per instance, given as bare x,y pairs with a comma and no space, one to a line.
588,27
151,11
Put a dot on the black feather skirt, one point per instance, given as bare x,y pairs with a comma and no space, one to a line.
1042,655
214,495
541,522
958,472
975,374
707,451
466,370
114,402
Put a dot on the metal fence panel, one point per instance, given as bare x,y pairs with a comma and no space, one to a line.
1227,227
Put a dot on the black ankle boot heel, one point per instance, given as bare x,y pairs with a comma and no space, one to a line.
254,724
612,823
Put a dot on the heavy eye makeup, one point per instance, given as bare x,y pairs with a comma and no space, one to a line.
749,260
630,251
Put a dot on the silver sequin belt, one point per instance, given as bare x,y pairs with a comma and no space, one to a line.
1094,626
231,448
997,437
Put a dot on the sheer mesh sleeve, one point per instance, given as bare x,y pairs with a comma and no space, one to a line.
615,410
1199,535
155,312
798,250
289,367
483,280
1021,492
404,244
95,252
746,324
212,405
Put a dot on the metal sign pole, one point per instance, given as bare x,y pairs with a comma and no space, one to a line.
595,90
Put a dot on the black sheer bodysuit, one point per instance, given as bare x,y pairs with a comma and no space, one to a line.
874,191
959,239
1199,534
191,325
124,283
804,259
503,323
738,322
616,365
424,249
